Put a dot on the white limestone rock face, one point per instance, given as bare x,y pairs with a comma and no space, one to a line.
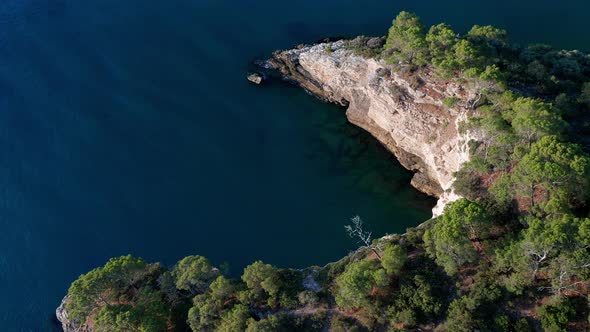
405,112
63,317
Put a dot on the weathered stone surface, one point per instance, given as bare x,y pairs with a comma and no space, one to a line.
408,118
255,78
67,324
375,42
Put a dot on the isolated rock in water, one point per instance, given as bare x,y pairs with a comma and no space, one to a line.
255,78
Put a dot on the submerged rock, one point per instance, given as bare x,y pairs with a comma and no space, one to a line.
255,78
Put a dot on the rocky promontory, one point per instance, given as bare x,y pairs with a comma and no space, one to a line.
467,113
405,111
67,324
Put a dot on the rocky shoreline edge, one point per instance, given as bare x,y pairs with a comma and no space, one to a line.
400,114
405,112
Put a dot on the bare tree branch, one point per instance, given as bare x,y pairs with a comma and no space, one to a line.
355,230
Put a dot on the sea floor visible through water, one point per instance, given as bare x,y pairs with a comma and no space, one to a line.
129,127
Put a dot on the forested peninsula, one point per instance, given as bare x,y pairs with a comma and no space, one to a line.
497,132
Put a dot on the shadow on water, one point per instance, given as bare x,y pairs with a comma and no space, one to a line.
128,127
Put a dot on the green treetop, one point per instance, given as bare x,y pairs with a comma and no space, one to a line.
393,259
261,279
532,119
554,247
102,286
406,40
356,282
441,40
558,169
194,273
450,239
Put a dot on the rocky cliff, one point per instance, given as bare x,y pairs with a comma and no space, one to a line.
67,324
404,111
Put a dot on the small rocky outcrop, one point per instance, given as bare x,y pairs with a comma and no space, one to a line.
404,111
68,325
255,78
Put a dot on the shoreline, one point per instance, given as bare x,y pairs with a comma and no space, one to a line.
334,74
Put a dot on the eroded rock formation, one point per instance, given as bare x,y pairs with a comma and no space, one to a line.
67,324
404,111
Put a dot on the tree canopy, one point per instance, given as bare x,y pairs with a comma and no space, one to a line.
406,40
450,239
393,259
559,169
356,282
194,273
102,286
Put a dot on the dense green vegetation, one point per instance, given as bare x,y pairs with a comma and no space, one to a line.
512,255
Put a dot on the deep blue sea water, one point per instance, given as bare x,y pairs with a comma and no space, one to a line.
128,127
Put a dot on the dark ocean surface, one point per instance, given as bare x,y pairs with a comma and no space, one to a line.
128,127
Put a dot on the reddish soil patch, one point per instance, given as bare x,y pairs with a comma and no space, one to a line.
435,110
488,179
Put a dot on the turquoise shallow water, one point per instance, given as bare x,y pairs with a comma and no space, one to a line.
128,127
